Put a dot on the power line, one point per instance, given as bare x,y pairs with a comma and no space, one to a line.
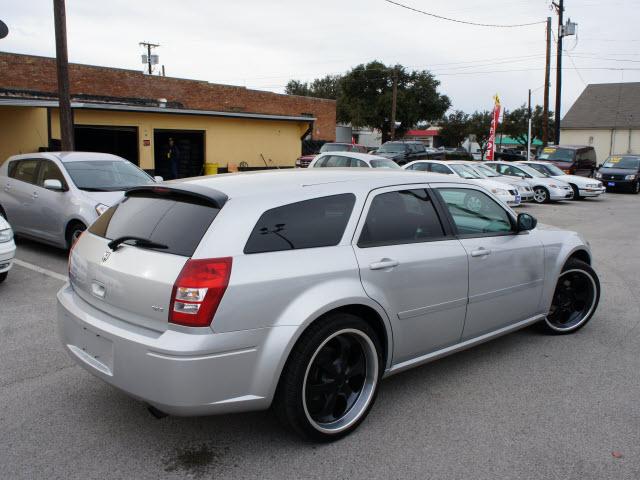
465,22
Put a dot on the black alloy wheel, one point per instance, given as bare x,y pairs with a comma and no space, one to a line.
575,298
331,378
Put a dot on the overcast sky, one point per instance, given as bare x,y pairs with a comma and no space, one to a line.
262,44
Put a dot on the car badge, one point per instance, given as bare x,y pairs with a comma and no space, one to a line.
106,256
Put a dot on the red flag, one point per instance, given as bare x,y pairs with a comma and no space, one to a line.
491,143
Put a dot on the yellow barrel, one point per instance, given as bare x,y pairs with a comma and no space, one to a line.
210,168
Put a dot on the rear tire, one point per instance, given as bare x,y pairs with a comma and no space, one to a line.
575,299
331,378
3,276
74,230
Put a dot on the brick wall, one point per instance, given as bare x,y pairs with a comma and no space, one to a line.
38,74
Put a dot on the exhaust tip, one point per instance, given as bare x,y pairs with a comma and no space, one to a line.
159,414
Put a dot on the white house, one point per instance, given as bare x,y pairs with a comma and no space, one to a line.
607,117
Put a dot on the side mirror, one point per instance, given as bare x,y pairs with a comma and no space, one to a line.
158,179
526,222
53,184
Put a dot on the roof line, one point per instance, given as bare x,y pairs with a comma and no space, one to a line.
146,109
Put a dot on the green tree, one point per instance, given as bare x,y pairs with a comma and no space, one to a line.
454,128
479,126
516,124
364,96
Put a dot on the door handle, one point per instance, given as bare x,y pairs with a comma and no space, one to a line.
384,264
481,252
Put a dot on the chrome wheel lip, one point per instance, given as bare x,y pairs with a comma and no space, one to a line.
366,395
591,308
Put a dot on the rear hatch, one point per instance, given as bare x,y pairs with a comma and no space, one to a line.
133,281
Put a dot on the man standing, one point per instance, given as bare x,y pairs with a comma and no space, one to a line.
173,156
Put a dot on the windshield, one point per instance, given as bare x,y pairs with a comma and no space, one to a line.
384,164
392,148
335,147
627,163
558,154
486,171
464,171
531,171
106,175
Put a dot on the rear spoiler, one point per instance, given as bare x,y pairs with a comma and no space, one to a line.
209,196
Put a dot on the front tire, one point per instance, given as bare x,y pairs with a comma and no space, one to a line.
636,187
575,299
331,378
576,192
540,195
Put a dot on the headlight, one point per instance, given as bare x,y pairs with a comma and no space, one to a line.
6,235
598,175
100,209
499,191
594,185
630,177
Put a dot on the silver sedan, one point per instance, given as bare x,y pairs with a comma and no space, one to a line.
303,289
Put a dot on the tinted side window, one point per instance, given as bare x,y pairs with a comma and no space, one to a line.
337,161
178,222
406,216
49,171
475,213
319,222
25,170
437,168
358,163
422,167
321,162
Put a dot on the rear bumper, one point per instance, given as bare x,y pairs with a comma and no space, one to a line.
7,252
178,372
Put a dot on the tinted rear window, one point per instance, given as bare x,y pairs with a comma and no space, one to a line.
179,222
308,224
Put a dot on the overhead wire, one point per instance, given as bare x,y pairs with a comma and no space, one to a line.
465,22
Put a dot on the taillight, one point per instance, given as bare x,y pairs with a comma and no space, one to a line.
198,291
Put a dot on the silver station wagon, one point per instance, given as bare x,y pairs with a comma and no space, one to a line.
303,289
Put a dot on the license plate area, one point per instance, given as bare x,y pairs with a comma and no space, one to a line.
611,184
94,349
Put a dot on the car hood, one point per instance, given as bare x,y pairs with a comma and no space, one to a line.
489,184
3,223
105,198
549,181
577,179
509,181
618,171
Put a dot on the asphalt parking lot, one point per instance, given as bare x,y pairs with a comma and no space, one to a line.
524,406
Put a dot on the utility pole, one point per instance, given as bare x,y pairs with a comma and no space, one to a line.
149,47
547,75
394,101
62,64
560,8
529,130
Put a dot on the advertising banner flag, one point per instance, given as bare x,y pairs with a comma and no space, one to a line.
491,143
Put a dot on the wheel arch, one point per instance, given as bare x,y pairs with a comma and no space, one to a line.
580,254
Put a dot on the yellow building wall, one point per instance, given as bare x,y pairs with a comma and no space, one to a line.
22,130
228,141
